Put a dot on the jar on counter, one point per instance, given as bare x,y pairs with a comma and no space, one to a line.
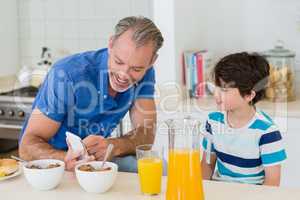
281,85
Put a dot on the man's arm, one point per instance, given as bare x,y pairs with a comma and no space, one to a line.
272,175
208,169
39,130
143,119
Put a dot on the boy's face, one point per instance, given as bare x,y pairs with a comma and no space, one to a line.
229,98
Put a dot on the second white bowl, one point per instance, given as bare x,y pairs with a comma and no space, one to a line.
98,181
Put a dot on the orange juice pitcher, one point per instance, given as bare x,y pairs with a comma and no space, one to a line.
184,168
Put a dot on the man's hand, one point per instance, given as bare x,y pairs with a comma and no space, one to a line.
71,158
143,120
96,146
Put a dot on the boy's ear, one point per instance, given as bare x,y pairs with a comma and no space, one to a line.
250,96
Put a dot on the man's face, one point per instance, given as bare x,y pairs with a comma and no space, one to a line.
127,63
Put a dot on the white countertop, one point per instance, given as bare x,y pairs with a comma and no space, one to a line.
174,102
8,83
127,188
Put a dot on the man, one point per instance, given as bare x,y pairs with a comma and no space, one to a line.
89,93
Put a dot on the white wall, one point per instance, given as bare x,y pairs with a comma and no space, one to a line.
224,27
194,24
163,16
70,26
8,37
205,25
269,20
218,25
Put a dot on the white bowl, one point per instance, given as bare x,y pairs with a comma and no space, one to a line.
44,179
97,182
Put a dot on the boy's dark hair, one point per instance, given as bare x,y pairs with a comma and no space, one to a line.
243,71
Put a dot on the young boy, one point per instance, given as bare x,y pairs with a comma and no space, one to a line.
241,143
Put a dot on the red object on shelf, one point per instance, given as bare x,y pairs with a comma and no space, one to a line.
200,89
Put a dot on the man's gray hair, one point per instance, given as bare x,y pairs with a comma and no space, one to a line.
144,31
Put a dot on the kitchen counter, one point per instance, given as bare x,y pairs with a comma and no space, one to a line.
174,101
172,98
8,83
127,187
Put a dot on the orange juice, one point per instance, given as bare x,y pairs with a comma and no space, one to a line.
150,172
184,176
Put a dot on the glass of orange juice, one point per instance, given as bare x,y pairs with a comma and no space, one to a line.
150,168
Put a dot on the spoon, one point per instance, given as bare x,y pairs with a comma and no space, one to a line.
107,153
85,152
18,159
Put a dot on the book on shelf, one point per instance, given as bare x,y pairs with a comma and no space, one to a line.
196,66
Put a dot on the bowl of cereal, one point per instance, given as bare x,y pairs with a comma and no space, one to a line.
44,174
92,178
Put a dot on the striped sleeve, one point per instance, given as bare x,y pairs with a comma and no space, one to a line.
204,146
208,132
271,148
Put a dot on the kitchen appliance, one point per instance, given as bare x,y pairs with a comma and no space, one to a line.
15,106
40,71
281,85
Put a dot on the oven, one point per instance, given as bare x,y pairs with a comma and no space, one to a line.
15,106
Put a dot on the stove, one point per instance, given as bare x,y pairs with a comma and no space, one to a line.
15,106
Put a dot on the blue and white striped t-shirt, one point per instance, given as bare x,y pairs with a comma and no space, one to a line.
243,153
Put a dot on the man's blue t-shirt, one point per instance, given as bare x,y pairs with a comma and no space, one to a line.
75,93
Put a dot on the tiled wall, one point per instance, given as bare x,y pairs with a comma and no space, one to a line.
70,26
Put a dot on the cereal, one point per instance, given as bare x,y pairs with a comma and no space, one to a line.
50,166
90,168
